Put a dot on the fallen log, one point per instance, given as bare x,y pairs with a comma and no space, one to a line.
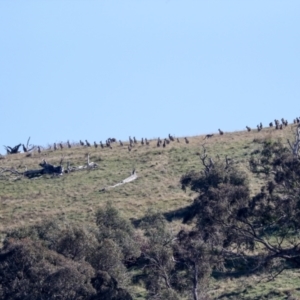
132,177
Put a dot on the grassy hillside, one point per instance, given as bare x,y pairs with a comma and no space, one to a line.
77,195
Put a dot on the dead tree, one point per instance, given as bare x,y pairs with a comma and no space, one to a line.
220,131
12,150
203,157
28,147
46,169
248,128
90,164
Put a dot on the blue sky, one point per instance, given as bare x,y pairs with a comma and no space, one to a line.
73,70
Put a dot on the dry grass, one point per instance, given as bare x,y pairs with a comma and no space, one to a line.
77,197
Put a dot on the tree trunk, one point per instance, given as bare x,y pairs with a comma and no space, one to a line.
195,282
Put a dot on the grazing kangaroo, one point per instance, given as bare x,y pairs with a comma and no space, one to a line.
208,136
171,137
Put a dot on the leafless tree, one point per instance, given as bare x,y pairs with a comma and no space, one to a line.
28,147
296,145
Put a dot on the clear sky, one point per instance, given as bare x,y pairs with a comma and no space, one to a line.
73,70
